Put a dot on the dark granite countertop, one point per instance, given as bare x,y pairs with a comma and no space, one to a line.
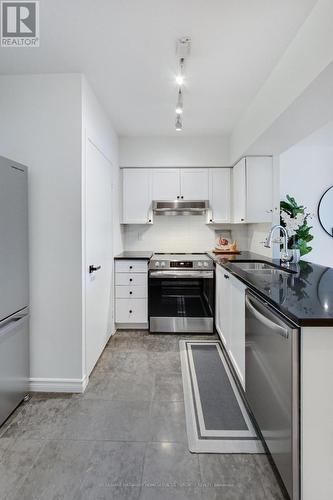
304,296
134,255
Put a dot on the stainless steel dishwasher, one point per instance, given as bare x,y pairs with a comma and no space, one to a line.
272,385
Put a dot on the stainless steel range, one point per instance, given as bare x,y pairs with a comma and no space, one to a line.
181,293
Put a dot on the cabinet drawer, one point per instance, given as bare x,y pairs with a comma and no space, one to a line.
131,311
132,279
131,266
131,292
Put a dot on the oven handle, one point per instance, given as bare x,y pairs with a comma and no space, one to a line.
181,274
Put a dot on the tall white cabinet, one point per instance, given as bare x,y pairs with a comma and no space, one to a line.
219,195
252,190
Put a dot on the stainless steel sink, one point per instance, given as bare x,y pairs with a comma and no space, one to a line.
261,268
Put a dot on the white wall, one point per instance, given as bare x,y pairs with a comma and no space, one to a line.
44,122
100,130
304,63
97,128
179,151
40,126
306,172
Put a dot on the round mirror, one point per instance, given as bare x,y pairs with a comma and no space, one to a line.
325,211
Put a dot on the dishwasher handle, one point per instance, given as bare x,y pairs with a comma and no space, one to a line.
280,330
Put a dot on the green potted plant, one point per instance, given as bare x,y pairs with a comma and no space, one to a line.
296,220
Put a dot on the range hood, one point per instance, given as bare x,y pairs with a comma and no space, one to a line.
180,207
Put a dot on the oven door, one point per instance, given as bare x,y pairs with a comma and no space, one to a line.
181,301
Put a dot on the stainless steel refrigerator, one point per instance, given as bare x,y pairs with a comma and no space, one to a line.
14,286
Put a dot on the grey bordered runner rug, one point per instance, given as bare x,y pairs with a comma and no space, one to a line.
216,418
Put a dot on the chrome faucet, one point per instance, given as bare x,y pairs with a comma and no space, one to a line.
285,255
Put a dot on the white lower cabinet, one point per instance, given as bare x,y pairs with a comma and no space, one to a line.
131,310
223,305
230,318
236,348
131,292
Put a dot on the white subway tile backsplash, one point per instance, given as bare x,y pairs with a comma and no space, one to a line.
180,234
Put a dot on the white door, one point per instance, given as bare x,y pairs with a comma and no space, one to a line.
194,183
137,196
98,254
166,184
239,191
14,238
219,194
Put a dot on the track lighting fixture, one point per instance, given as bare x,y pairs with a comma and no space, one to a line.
183,50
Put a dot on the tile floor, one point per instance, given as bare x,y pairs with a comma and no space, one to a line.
125,438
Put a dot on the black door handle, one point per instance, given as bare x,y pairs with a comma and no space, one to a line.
226,276
92,269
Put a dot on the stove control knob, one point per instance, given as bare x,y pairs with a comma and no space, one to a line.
162,264
199,264
157,264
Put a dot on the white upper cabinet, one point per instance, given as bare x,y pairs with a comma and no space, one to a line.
252,190
239,191
166,184
259,193
194,183
137,195
219,195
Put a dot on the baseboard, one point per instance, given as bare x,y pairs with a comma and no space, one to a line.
132,326
58,384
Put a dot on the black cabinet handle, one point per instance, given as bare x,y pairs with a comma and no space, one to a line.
149,220
182,197
226,276
177,197
131,279
131,267
131,293
92,269
131,311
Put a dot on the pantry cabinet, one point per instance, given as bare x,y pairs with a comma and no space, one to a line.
219,195
230,318
252,190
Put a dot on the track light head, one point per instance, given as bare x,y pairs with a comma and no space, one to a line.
179,125
179,106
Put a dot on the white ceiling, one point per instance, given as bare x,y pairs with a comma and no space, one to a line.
126,48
